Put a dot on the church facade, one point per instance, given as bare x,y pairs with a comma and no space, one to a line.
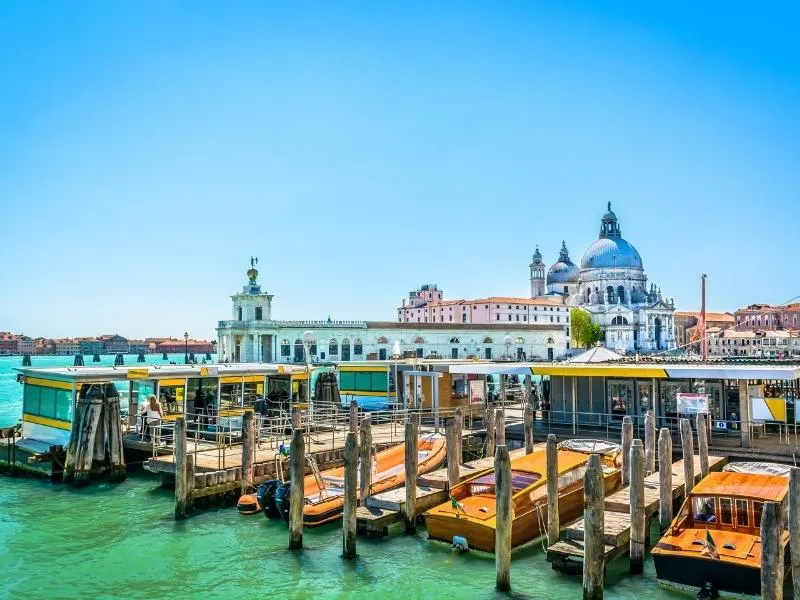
611,285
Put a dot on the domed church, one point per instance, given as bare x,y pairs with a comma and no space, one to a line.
612,286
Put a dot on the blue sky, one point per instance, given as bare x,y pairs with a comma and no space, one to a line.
148,149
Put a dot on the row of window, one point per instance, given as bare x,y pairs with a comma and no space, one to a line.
47,402
361,381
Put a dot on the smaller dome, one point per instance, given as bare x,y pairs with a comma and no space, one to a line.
537,259
563,271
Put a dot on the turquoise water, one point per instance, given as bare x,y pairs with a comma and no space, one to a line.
120,541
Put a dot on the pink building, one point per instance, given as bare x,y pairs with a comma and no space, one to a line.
427,305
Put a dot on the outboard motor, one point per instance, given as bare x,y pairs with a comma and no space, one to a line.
283,498
266,498
708,591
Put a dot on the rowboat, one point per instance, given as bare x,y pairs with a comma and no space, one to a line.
324,491
470,512
713,546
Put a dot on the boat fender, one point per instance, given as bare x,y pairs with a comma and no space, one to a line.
460,544
266,498
283,497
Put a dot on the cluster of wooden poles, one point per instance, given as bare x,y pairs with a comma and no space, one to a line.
637,459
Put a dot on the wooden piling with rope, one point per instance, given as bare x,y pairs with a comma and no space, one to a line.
412,468
248,449
687,446
183,470
650,442
500,427
527,426
297,459
637,508
594,519
451,444
665,498
627,441
503,518
488,421
350,496
365,458
551,455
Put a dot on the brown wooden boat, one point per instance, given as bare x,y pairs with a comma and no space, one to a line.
713,545
470,514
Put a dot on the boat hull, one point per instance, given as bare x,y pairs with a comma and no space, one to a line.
525,527
689,573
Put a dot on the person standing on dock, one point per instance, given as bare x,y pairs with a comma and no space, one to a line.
155,412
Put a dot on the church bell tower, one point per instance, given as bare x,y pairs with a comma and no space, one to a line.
537,268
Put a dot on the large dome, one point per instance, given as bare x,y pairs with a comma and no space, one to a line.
611,251
607,253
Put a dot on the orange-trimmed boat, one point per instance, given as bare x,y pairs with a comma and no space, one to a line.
324,491
713,546
472,515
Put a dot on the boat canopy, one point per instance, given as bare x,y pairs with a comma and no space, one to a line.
762,468
588,446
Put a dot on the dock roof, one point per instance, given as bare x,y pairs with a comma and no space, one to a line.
140,371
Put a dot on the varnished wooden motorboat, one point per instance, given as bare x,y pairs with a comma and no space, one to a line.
470,514
713,545
324,491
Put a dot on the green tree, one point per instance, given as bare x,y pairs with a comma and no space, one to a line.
585,334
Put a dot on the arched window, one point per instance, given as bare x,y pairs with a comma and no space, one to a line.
286,349
454,340
621,294
345,349
488,340
419,340
358,347
619,320
610,294
299,351
383,340
520,340
550,340
333,347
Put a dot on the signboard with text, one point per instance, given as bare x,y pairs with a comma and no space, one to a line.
691,403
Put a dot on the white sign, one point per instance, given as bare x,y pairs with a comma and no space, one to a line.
476,391
692,404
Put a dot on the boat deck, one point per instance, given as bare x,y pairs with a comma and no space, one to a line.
565,553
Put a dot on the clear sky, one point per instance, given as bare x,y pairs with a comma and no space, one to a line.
148,149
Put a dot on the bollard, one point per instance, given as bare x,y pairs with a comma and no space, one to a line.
365,458
687,446
527,425
771,552
593,519
412,465
503,518
297,459
350,496
702,443
664,479
638,516
553,526
248,449
650,442
627,440
488,420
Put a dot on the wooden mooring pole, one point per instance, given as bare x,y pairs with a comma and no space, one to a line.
350,496
365,458
637,511
353,416
248,449
451,441
650,442
702,442
503,518
297,460
527,426
412,465
593,518
184,471
488,420
664,479
794,527
459,416
500,427
687,446
627,441
771,552
551,454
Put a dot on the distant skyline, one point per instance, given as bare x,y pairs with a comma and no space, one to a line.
362,149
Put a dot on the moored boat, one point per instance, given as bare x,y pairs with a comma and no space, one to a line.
713,546
324,491
470,513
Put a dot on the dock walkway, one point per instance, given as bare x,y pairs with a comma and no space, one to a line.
567,554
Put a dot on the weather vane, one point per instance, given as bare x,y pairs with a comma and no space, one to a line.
253,261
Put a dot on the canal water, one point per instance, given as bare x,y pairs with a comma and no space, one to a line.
120,541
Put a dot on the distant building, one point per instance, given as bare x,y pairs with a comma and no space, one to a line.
491,328
114,343
771,344
178,346
138,347
26,345
90,346
686,326
9,342
44,346
67,347
768,317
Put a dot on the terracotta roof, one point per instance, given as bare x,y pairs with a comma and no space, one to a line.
710,316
